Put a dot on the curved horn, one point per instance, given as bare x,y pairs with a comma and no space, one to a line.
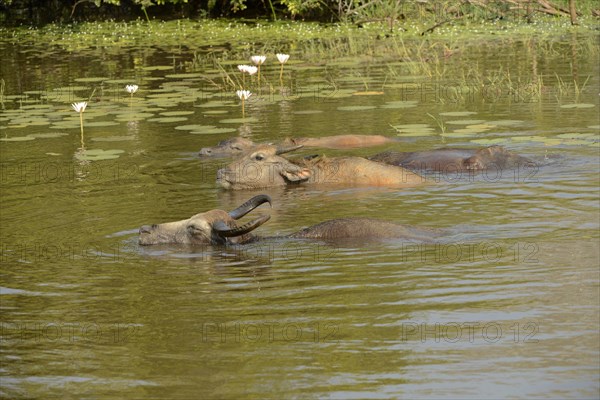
249,206
223,230
287,149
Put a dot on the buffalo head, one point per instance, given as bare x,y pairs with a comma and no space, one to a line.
211,227
262,167
229,147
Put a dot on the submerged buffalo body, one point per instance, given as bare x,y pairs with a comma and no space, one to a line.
450,159
264,167
238,145
217,227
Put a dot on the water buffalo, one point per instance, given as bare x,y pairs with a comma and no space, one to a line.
239,145
214,227
264,167
455,159
218,227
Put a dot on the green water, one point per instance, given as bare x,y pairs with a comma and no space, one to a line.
509,307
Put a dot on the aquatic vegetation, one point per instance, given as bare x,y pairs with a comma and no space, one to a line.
80,108
258,60
282,58
243,95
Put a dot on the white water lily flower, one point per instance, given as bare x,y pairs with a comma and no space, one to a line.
131,88
79,107
243,94
249,69
258,60
283,57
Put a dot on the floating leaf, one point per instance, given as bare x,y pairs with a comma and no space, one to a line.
400,104
193,127
183,76
573,142
578,136
211,131
175,113
158,68
505,122
306,112
99,154
578,105
238,120
168,119
48,135
465,121
355,108
215,112
90,80
457,113
367,93
17,139
412,126
417,133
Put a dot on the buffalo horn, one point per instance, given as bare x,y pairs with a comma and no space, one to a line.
249,206
287,149
223,230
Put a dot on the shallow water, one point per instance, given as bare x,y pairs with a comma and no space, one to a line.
507,306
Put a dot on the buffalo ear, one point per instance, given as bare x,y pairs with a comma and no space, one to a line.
296,174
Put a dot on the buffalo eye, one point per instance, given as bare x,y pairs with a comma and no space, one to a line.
259,157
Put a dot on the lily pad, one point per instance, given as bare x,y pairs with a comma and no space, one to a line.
168,119
368,93
307,112
215,112
417,133
400,104
578,105
212,131
17,139
573,142
412,126
99,154
465,121
193,127
158,68
48,135
176,113
238,120
91,79
183,76
584,136
355,108
505,122
457,113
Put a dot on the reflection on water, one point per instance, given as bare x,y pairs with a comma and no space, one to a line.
505,306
